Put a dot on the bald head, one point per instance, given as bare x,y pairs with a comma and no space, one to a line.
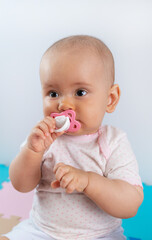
84,42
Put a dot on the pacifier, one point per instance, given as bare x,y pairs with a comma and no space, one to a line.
65,121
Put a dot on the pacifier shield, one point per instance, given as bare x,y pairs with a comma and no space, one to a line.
62,122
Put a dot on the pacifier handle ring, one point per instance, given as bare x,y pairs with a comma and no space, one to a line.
64,127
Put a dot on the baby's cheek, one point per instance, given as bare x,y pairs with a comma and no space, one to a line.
48,106
46,111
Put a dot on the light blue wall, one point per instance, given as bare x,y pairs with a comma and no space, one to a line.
27,28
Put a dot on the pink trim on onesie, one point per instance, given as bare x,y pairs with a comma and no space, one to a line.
103,143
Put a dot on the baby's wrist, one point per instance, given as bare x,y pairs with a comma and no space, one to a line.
88,178
30,150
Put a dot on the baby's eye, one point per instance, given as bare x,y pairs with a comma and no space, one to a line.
81,93
53,94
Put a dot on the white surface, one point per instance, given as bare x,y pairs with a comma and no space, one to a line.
28,28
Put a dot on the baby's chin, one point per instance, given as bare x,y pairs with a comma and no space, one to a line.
78,133
81,132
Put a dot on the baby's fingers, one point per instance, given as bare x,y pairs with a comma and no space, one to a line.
50,122
57,166
55,135
55,184
44,128
47,125
38,133
66,179
48,141
60,170
71,187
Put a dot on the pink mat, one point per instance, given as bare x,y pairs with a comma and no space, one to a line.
14,203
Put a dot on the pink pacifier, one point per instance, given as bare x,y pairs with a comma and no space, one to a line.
65,121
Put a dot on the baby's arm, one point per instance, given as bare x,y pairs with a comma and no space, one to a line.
116,197
25,169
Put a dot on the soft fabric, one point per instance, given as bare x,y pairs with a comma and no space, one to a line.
75,216
28,230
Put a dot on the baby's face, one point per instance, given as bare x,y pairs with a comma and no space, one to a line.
75,80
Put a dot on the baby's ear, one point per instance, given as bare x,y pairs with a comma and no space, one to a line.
113,98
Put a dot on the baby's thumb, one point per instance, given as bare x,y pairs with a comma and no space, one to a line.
55,135
55,184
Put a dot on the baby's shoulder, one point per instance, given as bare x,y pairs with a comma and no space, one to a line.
112,133
111,136
111,139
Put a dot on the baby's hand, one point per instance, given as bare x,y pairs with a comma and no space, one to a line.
70,178
42,135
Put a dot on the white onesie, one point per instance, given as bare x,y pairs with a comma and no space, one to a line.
75,216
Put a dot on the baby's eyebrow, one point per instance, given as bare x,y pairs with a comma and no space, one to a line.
76,84
48,85
82,84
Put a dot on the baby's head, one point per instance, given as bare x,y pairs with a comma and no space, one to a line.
77,73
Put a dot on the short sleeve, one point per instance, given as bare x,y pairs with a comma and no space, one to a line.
121,163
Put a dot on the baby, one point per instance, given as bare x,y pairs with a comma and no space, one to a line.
86,180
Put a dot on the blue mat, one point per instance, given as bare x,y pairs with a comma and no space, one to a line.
4,174
140,226
130,238
136,228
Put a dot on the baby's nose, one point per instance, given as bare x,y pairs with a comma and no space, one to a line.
66,104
